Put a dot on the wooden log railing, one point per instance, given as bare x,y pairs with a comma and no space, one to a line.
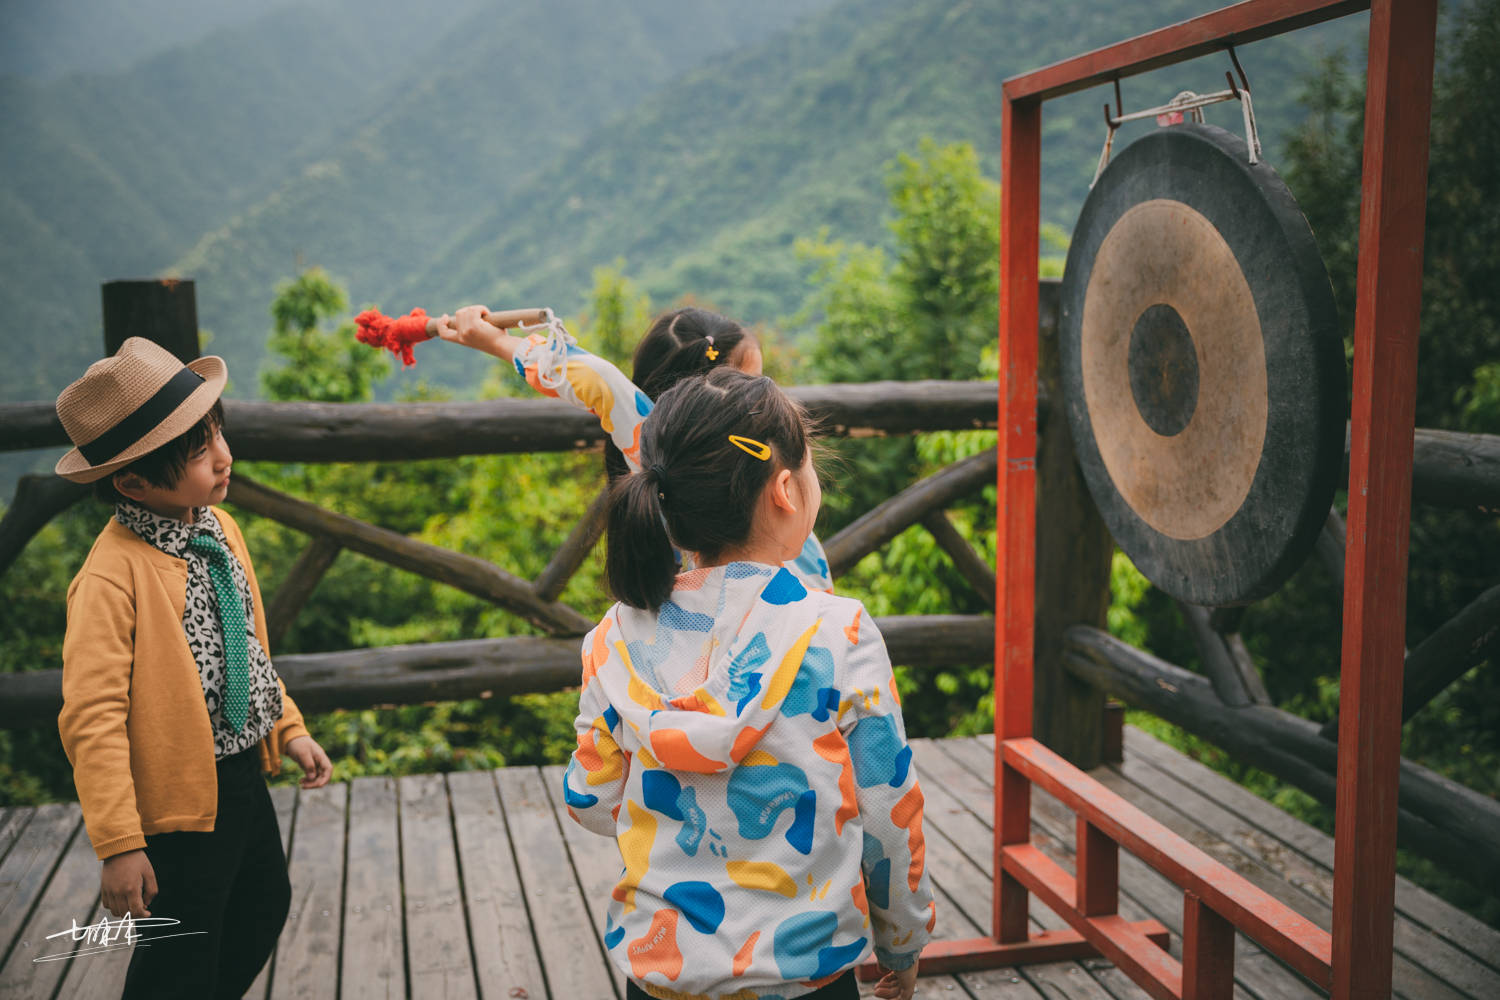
316,560
349,432
479,577
394,432
419,673
910,506
38,500
488,667
842,409
1438,817
1461,643
1074,666
321,432
1451,469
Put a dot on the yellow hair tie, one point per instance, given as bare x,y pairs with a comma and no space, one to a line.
712,352
751,447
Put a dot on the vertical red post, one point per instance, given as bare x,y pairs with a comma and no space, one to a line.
1020,195
1392,219
1207,952
1097,879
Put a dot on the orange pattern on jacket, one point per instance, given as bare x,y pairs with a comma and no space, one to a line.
595,655
831,747
656,950
743,956
908,816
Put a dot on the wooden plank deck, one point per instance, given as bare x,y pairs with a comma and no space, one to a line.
477,885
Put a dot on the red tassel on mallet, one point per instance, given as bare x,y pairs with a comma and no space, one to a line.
396,335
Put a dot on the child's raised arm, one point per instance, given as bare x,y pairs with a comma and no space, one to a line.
469,328
902,911
553,366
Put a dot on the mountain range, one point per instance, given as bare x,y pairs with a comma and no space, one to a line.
430,155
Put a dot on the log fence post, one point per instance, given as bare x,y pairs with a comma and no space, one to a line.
1073,554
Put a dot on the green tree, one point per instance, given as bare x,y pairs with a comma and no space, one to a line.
617,314
928,311
317,365
931,312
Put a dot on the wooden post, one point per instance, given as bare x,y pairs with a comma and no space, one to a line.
1207,952
1073,553
164,311
1097,878
1114,731
574,549
303,577
1020,195
1387,313
975,570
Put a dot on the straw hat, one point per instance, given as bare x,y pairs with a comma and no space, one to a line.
128,405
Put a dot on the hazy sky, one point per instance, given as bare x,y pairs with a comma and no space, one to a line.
43,39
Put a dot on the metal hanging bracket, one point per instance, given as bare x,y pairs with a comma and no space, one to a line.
1187,103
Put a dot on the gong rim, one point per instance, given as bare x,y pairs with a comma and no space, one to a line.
1236,535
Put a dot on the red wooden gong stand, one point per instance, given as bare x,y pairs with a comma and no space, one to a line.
1355,959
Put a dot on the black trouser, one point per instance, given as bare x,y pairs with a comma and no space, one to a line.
230,883
842,988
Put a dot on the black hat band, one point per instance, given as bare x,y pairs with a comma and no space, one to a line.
146,416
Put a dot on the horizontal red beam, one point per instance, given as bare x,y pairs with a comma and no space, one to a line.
946,957
1237,25
1282,931
1144,959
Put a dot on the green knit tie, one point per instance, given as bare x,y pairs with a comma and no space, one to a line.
232,624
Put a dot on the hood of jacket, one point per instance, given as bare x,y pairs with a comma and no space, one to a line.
699,681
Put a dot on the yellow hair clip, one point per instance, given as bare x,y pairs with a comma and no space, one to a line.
713,352
751,447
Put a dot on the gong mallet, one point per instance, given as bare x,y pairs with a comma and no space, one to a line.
398,334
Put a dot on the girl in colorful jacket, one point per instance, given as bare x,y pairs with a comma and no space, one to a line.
680,343
740,735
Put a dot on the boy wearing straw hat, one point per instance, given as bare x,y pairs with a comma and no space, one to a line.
171,708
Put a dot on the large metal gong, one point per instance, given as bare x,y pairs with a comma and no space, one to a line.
1202,366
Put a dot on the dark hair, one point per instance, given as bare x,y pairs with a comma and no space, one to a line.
165,465
676,346
697,489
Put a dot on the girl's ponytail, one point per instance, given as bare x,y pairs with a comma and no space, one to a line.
640,560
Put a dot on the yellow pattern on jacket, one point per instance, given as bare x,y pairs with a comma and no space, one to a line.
134,724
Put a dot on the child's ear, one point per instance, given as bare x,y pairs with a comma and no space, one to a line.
780,487
129,485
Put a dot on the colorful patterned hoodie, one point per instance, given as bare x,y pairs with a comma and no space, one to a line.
553,364
744,746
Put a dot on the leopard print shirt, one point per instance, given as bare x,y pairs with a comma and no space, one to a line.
200,622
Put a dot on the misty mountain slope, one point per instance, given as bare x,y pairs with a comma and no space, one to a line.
704,188
114,175
46,39
505,153
502,95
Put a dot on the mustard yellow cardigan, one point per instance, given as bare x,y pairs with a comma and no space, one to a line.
133,723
